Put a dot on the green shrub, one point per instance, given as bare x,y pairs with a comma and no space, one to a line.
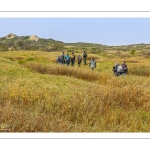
132,52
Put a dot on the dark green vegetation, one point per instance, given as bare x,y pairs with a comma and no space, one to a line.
25,43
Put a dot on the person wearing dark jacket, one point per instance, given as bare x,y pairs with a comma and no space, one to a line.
115,69
59,60
63,58
124,68
84,57
118,69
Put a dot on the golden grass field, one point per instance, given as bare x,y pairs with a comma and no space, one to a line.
38,95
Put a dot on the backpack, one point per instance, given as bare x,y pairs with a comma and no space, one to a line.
79,58
125,68
92,65
85,55
67,58
113,69
119,68
72,56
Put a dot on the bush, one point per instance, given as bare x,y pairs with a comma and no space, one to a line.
57,47
3,48
132,52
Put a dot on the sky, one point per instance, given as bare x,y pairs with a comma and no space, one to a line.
105,31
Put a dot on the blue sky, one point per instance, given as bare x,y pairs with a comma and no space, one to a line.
106,31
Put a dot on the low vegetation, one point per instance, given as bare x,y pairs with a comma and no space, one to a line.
38,95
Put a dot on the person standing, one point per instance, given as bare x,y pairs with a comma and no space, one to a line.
92,64
84,57
67,59
115,69
124,68
63,58
72,58
59,60
79,60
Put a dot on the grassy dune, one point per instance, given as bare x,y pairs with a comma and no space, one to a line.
38,95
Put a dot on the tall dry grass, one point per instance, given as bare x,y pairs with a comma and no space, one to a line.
93,108
104,78
140,69
63,70
103,104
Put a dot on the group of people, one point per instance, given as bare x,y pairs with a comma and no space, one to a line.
66,59
120,69
70,59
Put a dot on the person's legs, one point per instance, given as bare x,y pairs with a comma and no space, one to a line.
84,60
67,62
79,64
62,61
72,62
